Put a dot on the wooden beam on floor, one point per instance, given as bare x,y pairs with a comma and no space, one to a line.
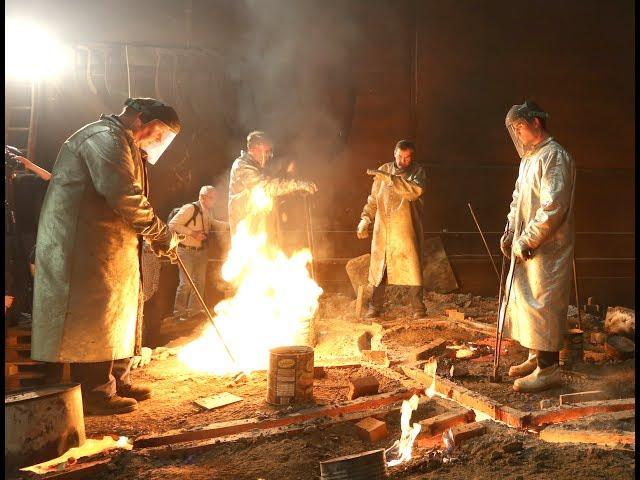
557,434
565,413
364,404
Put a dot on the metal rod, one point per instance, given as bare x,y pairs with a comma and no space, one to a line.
204,305
126,55
484,241
575,283
501,314
504,259
310,242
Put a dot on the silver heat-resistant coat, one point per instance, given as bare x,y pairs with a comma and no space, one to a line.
395,209
246,176
543,203
87,302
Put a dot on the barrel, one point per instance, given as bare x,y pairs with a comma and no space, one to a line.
573,350
290,379
369,465
41,423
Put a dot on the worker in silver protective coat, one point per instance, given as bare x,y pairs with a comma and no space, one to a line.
540,239
87,302
395,208
252,192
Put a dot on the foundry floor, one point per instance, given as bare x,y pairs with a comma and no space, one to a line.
297,456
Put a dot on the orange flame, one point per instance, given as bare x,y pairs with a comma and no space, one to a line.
402,449
430,369
274,302
89,447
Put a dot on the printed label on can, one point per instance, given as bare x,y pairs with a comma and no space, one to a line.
286,363
285,375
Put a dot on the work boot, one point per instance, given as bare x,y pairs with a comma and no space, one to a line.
540,379
138,392
372,312
525,368
113,405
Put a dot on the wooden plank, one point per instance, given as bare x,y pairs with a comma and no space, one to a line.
467,397
238,426
605,438
565,413
183,449
581,397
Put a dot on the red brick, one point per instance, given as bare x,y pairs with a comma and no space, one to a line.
454,314
375,356
438,424
579,397
425,351
371,429
363,386
466,431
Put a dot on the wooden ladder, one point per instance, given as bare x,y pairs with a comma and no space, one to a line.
20,115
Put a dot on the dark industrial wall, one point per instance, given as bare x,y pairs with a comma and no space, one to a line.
339,82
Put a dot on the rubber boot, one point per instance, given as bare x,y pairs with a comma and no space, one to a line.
525,368
539,380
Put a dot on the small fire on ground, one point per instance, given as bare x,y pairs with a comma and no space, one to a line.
402,450
275,299
90,447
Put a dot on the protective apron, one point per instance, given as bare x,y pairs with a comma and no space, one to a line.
543,204
395,208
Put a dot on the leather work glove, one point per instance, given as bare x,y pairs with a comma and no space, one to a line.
505,243
308,187
521,251
380,175
166,246
363,228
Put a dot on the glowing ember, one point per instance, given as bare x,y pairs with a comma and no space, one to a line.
274,301
401,450
89,447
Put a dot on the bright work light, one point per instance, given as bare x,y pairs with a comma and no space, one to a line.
31,53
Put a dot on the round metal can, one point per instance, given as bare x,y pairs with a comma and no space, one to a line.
42,423
290,378
573,350
369,465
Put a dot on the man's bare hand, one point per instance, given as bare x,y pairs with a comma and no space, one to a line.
363,229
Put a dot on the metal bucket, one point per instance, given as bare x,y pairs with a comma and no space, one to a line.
41,423
290,378
370,465
573,350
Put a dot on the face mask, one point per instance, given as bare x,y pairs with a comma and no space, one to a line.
163,136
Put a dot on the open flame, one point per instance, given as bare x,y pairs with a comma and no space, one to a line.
430,369
401,450
90,447
275,299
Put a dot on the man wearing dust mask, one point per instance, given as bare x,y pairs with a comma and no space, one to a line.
87,305
252,192
540,239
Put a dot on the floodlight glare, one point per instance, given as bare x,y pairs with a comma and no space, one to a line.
31,53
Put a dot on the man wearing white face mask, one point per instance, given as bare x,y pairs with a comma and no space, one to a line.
87,305
540,239
251,190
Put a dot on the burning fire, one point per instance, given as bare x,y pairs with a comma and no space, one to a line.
274,302
90,447
401,450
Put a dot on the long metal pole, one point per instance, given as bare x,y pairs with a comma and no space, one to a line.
484,241
309,224
204,305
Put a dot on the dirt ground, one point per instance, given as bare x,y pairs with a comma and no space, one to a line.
502,451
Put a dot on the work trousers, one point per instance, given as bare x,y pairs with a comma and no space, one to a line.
95,378
414,294
195,261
